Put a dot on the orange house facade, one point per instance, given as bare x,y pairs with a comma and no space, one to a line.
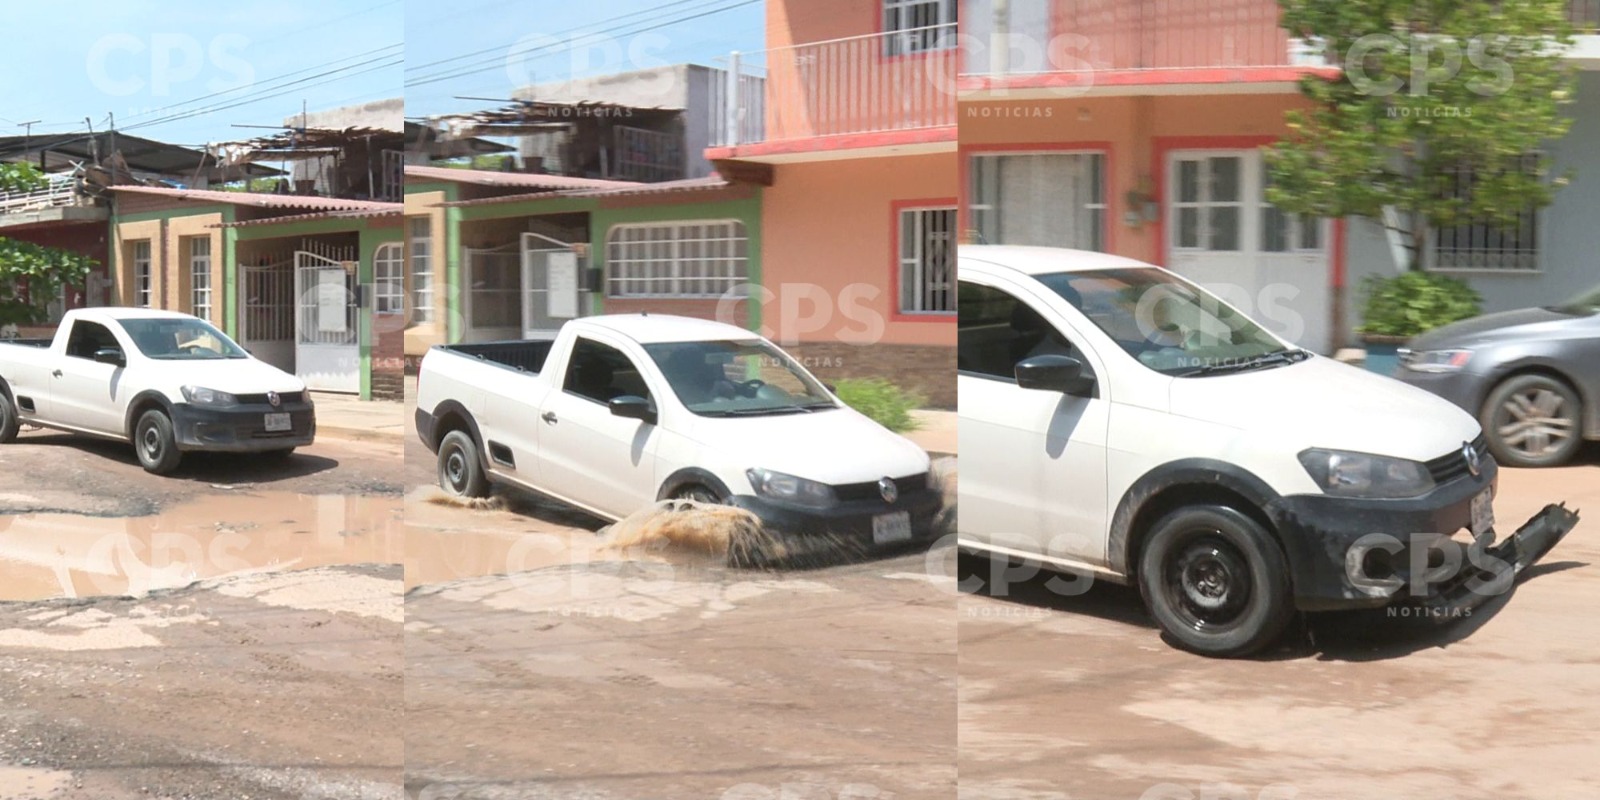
848,119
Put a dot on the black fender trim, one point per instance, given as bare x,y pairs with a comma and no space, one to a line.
1202,472
449,408
693,475
139,401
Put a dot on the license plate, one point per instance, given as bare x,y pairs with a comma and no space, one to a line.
891,528
279,422
1482,512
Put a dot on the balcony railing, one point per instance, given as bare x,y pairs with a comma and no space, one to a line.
53,195
892,81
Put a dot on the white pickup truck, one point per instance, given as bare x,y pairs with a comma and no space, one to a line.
618,412
166,382
1121,422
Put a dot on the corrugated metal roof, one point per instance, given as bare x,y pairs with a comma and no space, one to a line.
256,199
389,210
687,185
482,177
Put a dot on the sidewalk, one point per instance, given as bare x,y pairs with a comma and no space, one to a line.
346,416
937,433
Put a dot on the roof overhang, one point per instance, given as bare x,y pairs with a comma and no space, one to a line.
921,141
1140,82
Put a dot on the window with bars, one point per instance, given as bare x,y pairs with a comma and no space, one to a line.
1046,199
199,249
143,286
927,260
420,233
676,259
1485,245
1209,204
918,26
389,277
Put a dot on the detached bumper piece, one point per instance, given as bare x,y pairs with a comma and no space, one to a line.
1493,570
243,428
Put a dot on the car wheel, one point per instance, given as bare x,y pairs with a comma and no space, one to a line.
1532,421
10,423
698,493
155,443
460,469
1216,581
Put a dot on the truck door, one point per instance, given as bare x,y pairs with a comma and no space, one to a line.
588,455
84,392
1033,462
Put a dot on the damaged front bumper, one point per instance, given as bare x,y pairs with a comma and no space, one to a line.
844,531
1350,553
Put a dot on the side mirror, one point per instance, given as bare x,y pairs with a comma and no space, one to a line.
633,407
110,355
1055,374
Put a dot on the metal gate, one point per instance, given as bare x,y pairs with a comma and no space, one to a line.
327,350
492,311
266,321
552,285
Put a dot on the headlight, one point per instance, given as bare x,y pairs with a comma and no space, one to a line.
201,396
1438,360
1362,475
788,488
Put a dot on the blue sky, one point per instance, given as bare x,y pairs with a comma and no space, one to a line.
144,60
533,42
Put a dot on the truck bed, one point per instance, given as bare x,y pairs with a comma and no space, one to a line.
521,355
40,343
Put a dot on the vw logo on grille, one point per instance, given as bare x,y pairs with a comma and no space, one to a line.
1474,465
274,400
889,490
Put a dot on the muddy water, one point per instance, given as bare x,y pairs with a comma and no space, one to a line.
63,555
19,783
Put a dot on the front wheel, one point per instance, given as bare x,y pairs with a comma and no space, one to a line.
460,469
1216,581
1532,421
155,443
10,423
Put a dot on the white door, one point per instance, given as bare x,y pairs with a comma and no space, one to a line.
1037,477
327,352
591,456
267,308
1224,235
493,307
551,285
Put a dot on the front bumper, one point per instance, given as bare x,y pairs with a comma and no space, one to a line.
1358,553
841,531
241,428
1462,388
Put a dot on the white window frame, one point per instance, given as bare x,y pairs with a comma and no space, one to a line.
666,259
905,35
420,250
1204,204
1477,256
199,248
913,264
389,279
1297,228
977,206
143,277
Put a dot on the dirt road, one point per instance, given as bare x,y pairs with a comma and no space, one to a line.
281,686
1069,697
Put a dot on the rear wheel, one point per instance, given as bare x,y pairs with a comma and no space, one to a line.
460,469
1216,581
1532,421
155,443
10,423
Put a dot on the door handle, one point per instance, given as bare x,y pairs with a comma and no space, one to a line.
56,374
549,416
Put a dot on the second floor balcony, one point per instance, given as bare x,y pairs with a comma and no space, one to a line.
846,92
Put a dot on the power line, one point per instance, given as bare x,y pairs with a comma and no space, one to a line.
486,50
491,64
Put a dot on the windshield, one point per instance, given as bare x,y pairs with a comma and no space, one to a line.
176,338
1585,304
1170,326
726,378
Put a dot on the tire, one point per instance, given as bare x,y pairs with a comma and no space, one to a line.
1532,421
1216,581
460,468
155,444
10,423
698,492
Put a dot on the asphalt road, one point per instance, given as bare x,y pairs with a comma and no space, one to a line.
48,472
1078,696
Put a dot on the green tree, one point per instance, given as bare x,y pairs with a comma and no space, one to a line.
32,275
1430,91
